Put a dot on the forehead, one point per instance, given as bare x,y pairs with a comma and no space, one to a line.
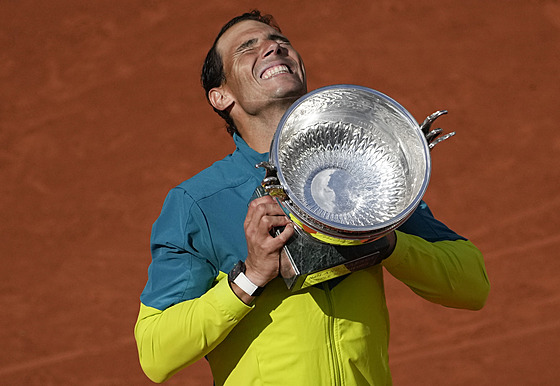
242,32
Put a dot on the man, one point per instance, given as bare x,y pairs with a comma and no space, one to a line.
255,331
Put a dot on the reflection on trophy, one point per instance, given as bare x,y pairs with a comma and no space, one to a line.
348,165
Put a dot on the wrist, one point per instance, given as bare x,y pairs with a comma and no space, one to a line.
237,276
256,275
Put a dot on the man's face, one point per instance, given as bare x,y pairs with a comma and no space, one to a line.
260,66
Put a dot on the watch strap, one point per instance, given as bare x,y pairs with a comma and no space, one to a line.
237,276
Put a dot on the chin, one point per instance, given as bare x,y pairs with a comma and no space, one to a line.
291,92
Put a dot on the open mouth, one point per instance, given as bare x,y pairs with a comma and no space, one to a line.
275,70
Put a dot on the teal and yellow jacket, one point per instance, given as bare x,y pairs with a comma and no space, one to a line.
334,333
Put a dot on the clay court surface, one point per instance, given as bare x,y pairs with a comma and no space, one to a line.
101,113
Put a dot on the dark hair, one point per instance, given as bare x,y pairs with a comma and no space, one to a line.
213,69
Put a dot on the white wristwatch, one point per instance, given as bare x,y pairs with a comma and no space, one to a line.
237,276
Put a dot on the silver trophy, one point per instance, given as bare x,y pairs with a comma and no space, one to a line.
349,165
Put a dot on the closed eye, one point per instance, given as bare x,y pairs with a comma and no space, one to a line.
279,39
246,46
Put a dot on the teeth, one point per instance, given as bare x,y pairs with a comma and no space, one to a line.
280,69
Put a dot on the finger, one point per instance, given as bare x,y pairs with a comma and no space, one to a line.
252,211
265,200
258,210
278,242
262,200
286,233
258,207
269,223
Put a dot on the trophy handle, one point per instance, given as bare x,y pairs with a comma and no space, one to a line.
431,135
270,182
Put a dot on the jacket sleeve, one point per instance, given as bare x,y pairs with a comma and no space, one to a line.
438,264
180,335
187,308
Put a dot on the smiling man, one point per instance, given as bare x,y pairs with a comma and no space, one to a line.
213,288
264,75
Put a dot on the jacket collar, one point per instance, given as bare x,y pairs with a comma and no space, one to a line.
251,156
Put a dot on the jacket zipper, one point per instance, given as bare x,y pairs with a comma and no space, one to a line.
337,380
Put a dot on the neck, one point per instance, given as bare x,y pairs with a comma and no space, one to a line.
258,130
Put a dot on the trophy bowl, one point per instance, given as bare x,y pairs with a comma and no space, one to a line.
352,162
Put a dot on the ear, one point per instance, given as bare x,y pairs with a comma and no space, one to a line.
220,98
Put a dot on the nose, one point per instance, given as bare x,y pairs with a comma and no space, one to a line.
275,48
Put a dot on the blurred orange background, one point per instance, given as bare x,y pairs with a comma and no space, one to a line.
101,113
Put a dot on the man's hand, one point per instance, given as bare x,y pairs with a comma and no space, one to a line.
263,259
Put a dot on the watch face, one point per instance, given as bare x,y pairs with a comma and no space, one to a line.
236,270
242,281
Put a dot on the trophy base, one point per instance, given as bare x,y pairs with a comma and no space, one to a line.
306,261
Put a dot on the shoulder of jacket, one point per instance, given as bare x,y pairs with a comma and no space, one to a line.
225,174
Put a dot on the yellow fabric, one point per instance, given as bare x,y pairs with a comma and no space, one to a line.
457,268
201,324
317,336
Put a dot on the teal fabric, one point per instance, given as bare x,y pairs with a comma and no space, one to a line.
200,229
